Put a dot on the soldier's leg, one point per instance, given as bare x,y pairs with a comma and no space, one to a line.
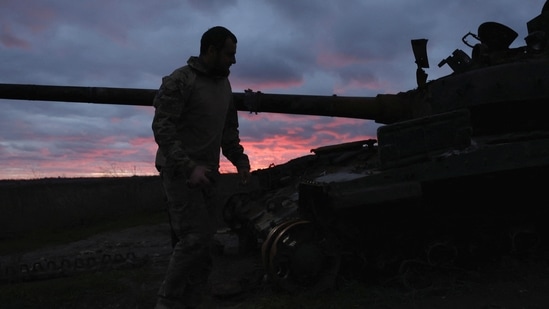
190,263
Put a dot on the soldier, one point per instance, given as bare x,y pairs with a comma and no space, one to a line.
195,118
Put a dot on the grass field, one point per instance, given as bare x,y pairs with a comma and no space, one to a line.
61,213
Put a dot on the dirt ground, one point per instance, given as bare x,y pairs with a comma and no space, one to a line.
240,282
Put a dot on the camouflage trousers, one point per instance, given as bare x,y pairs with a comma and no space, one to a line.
192,224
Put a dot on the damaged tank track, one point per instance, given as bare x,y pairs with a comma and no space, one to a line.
68,266
130,248
453,179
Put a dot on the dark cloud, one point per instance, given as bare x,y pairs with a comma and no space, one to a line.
352,48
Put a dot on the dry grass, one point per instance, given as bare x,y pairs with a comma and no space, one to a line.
43,213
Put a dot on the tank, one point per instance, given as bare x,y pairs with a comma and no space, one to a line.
454,177
452,181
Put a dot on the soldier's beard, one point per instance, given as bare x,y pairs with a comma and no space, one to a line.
220,70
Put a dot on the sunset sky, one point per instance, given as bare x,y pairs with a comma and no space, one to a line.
313,47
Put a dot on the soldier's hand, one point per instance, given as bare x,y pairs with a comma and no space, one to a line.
199,177
244,176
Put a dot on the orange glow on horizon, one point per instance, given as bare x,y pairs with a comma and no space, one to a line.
269,152
268,139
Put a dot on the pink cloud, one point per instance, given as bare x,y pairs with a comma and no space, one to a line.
336,60
140,141
39,19
115,120
357,83
9,39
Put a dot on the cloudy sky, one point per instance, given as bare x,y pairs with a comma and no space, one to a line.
319,47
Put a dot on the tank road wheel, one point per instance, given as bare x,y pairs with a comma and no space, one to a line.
303,259
273,234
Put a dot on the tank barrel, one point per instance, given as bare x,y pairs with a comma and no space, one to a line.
101,95
379,108
335,106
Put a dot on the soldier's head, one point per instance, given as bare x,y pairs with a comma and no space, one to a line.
218,49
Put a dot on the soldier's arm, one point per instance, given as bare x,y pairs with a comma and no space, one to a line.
169,104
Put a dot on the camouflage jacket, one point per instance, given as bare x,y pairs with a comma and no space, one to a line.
194,118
